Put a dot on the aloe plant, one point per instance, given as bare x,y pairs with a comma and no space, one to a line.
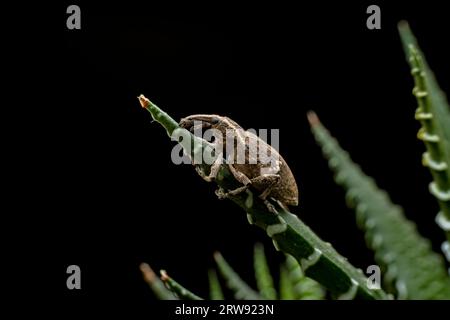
313,268
416,271
433,112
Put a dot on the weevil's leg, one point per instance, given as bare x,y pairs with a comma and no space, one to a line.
200,171
281,204
242,178
222,194
215,168
239,176
213,171
236,191
265,182
270,207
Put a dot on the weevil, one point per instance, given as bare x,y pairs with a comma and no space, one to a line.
266,172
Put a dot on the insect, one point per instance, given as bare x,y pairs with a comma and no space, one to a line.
266,172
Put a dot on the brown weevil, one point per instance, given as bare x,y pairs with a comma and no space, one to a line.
266,172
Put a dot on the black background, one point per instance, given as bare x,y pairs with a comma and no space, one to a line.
102,172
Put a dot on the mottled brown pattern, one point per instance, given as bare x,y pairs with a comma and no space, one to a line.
270,174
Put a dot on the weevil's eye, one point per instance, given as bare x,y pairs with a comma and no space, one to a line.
183,123
215,120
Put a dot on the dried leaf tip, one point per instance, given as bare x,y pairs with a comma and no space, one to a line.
403,24
164,275
143,101
313,119
147,272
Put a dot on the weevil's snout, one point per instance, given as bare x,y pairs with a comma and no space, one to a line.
186,123
192,125
198,122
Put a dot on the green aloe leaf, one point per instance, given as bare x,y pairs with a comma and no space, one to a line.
215,289
263,276
419,273
177,288
433,112
286,285
157,286
304,287
241,290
